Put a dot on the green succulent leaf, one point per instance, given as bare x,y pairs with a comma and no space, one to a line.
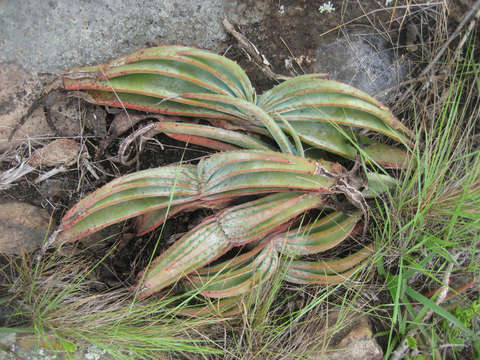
326,272
237,276
184,81
208,133
215,179
177,64
322,235
307,90
218,233
303,116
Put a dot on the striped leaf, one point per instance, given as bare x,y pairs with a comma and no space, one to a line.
326,272
170,70
183,81
204,135
321,235
305,115
326,96
217,234
237,276
216,179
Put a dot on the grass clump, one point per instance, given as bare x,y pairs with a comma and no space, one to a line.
57,300
428,231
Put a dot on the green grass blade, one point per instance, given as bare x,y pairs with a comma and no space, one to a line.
437,309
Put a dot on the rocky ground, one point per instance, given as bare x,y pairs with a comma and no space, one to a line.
52,159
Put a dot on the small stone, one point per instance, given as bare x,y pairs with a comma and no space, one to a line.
52,187
23,227
356,343
18,92
58,152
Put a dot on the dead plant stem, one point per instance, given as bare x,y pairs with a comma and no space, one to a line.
253,52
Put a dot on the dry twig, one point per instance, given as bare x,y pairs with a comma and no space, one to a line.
253,52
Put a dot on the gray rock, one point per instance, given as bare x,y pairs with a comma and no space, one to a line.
55,35
364,61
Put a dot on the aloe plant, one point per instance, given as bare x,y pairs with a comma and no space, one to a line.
313,112
295,185
300,114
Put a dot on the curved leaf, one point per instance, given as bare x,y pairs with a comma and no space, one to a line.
234,278
192,67
218,233
309,90
218,178
326,272
319,236
210,132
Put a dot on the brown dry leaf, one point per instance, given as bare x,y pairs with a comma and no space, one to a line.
126,121
58,152
23,227
413,36
18,91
